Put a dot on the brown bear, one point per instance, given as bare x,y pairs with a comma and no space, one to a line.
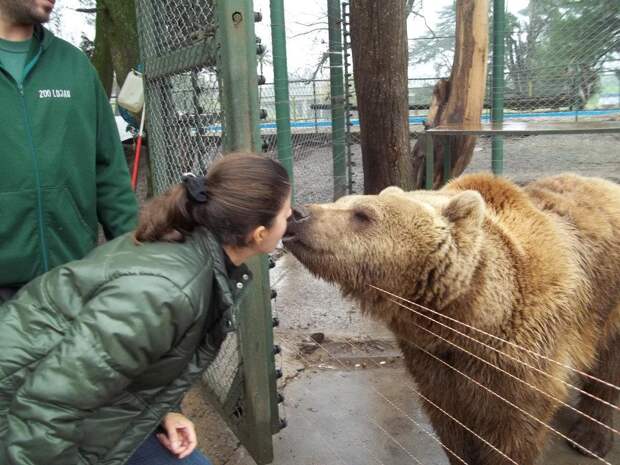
537,268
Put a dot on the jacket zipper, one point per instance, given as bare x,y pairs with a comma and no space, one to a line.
42,237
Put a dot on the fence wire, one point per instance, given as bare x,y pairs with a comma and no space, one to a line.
185,123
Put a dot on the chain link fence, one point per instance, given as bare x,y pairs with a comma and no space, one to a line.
185,127
184,113
561,64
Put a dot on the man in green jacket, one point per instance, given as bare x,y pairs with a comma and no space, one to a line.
63,168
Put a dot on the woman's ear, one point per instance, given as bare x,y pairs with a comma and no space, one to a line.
257,236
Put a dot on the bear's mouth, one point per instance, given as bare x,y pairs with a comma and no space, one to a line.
289,236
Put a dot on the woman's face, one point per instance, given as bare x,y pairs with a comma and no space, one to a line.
272,236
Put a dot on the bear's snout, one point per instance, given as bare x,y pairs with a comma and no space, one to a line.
299,216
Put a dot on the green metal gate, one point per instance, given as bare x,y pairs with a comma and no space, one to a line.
199,61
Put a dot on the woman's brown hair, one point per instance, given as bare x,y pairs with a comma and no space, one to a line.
242,192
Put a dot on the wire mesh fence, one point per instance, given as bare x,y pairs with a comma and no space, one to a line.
310,116
185,118
185,125
561,64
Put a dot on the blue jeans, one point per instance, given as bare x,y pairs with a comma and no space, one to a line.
152,452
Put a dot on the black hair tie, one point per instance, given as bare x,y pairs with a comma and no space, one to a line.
195,187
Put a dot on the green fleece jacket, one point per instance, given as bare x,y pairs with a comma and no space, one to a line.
62,168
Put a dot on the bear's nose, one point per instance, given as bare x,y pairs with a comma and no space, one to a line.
300,214
294,223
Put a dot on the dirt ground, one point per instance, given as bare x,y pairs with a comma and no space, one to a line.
308,306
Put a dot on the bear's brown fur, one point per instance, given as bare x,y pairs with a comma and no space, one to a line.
537,266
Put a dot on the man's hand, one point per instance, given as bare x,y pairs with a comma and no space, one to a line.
180,437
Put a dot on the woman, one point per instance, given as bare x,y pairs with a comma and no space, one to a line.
96,354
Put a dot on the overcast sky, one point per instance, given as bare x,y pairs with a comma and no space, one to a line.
303,51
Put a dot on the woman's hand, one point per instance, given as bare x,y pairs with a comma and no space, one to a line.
180,437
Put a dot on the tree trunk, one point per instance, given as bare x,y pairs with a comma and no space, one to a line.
123,37
102,57
459,99
116,40
379,47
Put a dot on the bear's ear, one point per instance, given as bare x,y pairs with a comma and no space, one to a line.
467,206
391,190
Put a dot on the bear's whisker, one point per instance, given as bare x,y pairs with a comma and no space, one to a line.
516,346
512,376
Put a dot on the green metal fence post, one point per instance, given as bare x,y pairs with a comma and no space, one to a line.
429,161
337,97
280,81
316,115
239,97
447,157
497,91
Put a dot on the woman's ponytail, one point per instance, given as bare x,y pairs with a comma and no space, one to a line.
166,217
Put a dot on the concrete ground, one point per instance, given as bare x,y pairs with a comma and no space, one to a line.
349,400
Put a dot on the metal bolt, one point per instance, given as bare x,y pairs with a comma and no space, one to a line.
276,349
239,285
258,16
274,294
237,17
278,373
262,80
275,322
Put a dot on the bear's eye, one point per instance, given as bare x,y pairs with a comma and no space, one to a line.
361,216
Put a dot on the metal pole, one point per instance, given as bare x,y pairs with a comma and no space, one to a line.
316,117
239,97
337,97
280,82
497,111
346,43
429,161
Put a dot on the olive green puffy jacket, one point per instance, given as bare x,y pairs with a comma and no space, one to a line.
95,352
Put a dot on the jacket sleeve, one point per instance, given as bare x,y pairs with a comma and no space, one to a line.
115,337
117,208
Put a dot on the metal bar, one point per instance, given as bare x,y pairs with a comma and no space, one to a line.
347,93
239,97
518,128
316,116
337,97
201,54
238,70
280,83
429,164
497,91
447,158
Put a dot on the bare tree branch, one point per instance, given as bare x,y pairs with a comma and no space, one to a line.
318,29
415,13
325,23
